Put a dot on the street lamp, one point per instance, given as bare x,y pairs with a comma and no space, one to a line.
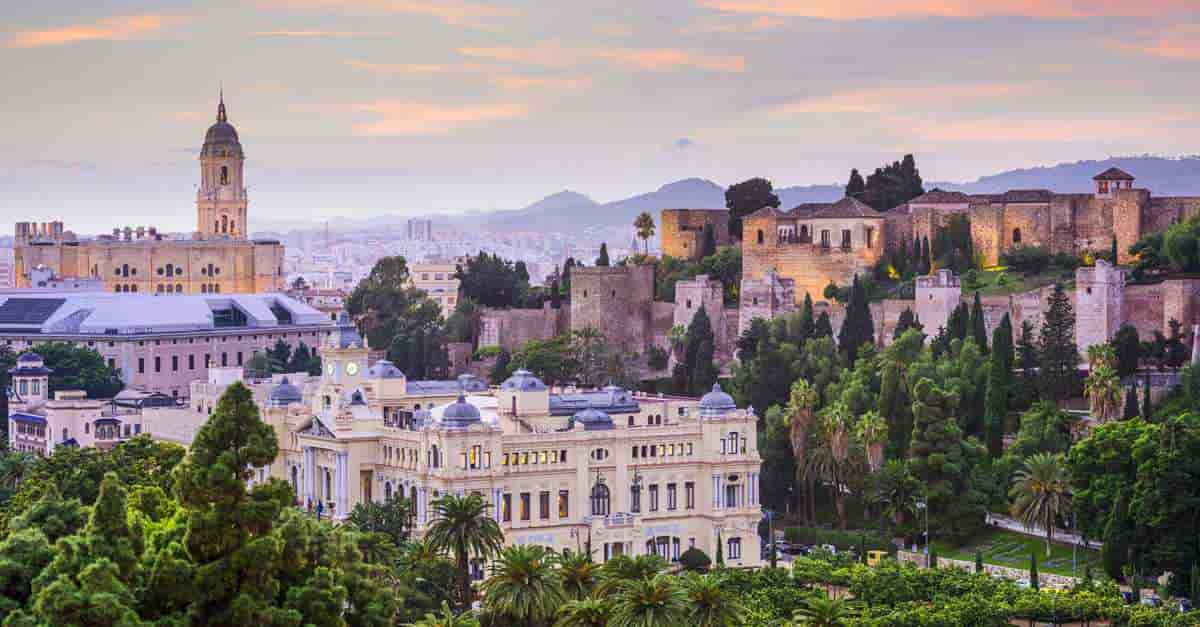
922,505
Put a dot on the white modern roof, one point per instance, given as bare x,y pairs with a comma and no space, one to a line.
109,313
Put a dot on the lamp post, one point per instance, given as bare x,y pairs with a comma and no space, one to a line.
923,505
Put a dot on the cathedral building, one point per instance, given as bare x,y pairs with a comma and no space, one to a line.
217,258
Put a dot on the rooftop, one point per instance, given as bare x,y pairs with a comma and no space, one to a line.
108,313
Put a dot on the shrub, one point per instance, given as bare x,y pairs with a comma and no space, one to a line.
1027,260
656,358
695,560
840,539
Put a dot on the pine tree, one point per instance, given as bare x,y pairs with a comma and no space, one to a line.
1000,382
1057,352
856,186
943,459
858,328
1034,582
958,322
1131,403
602,260
905,323
978,325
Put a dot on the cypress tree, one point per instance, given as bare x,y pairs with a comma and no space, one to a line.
856,186
555,295
1057,351
978,561
926,262
1131,403
1113,251
958,322
824,327
602,260
704,375
808,325
699,334
858,328
905,323
1033,570
708,247
978,325
1000,383
1146,407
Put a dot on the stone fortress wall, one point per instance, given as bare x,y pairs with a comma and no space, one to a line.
682,230
617,301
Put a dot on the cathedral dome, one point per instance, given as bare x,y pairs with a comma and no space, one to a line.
460,414
716,402
221,140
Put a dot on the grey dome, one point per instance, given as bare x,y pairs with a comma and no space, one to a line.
357,398
346,335
716,402
221,140
285,393
523,381
593,420
460,414
29,358
384,369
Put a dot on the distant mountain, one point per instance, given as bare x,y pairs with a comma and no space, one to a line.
569,211
791,196
1162,176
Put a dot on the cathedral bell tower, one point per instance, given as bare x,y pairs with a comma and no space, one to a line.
221,199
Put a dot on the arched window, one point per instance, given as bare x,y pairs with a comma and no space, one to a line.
1016,236
224,175
387,491
179,288
203,288
216,226
224,224
124,269
600,500
64,434
760,236
133,288
232,226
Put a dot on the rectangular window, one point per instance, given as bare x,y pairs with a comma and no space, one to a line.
731,492
506,508
544,505
564,503
671,496
191,362
141,365
158,364
689,495
635,499
824,238
112,363
239,358
870,237
526,501
734,548
846,239
635,452
174,363
654,498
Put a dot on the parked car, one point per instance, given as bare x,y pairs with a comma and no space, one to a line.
1128,597
1152,602
1185,605
1023,583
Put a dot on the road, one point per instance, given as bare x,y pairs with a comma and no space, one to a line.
1060,535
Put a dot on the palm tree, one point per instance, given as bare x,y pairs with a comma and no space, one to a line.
653,602
645,228
872,431
900,490
801,402
14,467
587,612
462,527
525,586
677,338
446,618
822,611
623,569
830,461
579,574
1041,493
712,605
1103,388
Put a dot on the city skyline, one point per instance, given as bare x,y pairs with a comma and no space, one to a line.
376,106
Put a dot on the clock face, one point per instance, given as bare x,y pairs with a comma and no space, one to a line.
352,368
330,369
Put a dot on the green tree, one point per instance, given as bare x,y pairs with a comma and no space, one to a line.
1131,403
1115,551
942,459
586,612
1057,352
644,224
1034,579
79,368
821,611
579,574
698,354
1128,349
525,587
602,260
462,527
823,328
858,328
710,602
1041,494
743,199
978,327
925,263
446,618
999,388
893,184
801,409
1146,405
392,518
907,321
708,246
856,185
650,602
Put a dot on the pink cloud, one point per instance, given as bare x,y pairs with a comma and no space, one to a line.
1181,42
450,12
414,68
873,9
884,99
1052,129
516,82
111,29
318,34
646,59
399,117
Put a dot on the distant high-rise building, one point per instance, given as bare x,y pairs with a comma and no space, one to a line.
6,267
420,229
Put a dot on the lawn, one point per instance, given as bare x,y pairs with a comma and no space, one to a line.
1000,282
1009,548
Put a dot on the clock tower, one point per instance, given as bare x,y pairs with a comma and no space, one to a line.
344,359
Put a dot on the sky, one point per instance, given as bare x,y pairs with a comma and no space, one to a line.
362,107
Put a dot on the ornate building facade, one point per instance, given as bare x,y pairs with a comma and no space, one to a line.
217,258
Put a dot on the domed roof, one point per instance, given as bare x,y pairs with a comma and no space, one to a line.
460,414
285,393
471,383
345,335
384,369
523,381
593,419
29,358
716,402
222,138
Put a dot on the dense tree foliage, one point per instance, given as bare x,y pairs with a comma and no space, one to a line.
743,199
889,186
75,368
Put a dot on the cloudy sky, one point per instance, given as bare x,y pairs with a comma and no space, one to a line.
409,106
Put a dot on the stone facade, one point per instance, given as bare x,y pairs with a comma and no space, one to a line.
616,301
218,258
1099,293
682,231
937,295
511,328
437,280
706,293
765,298
1070,223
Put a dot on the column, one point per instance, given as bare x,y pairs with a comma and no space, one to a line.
310,473
342,485
421,513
